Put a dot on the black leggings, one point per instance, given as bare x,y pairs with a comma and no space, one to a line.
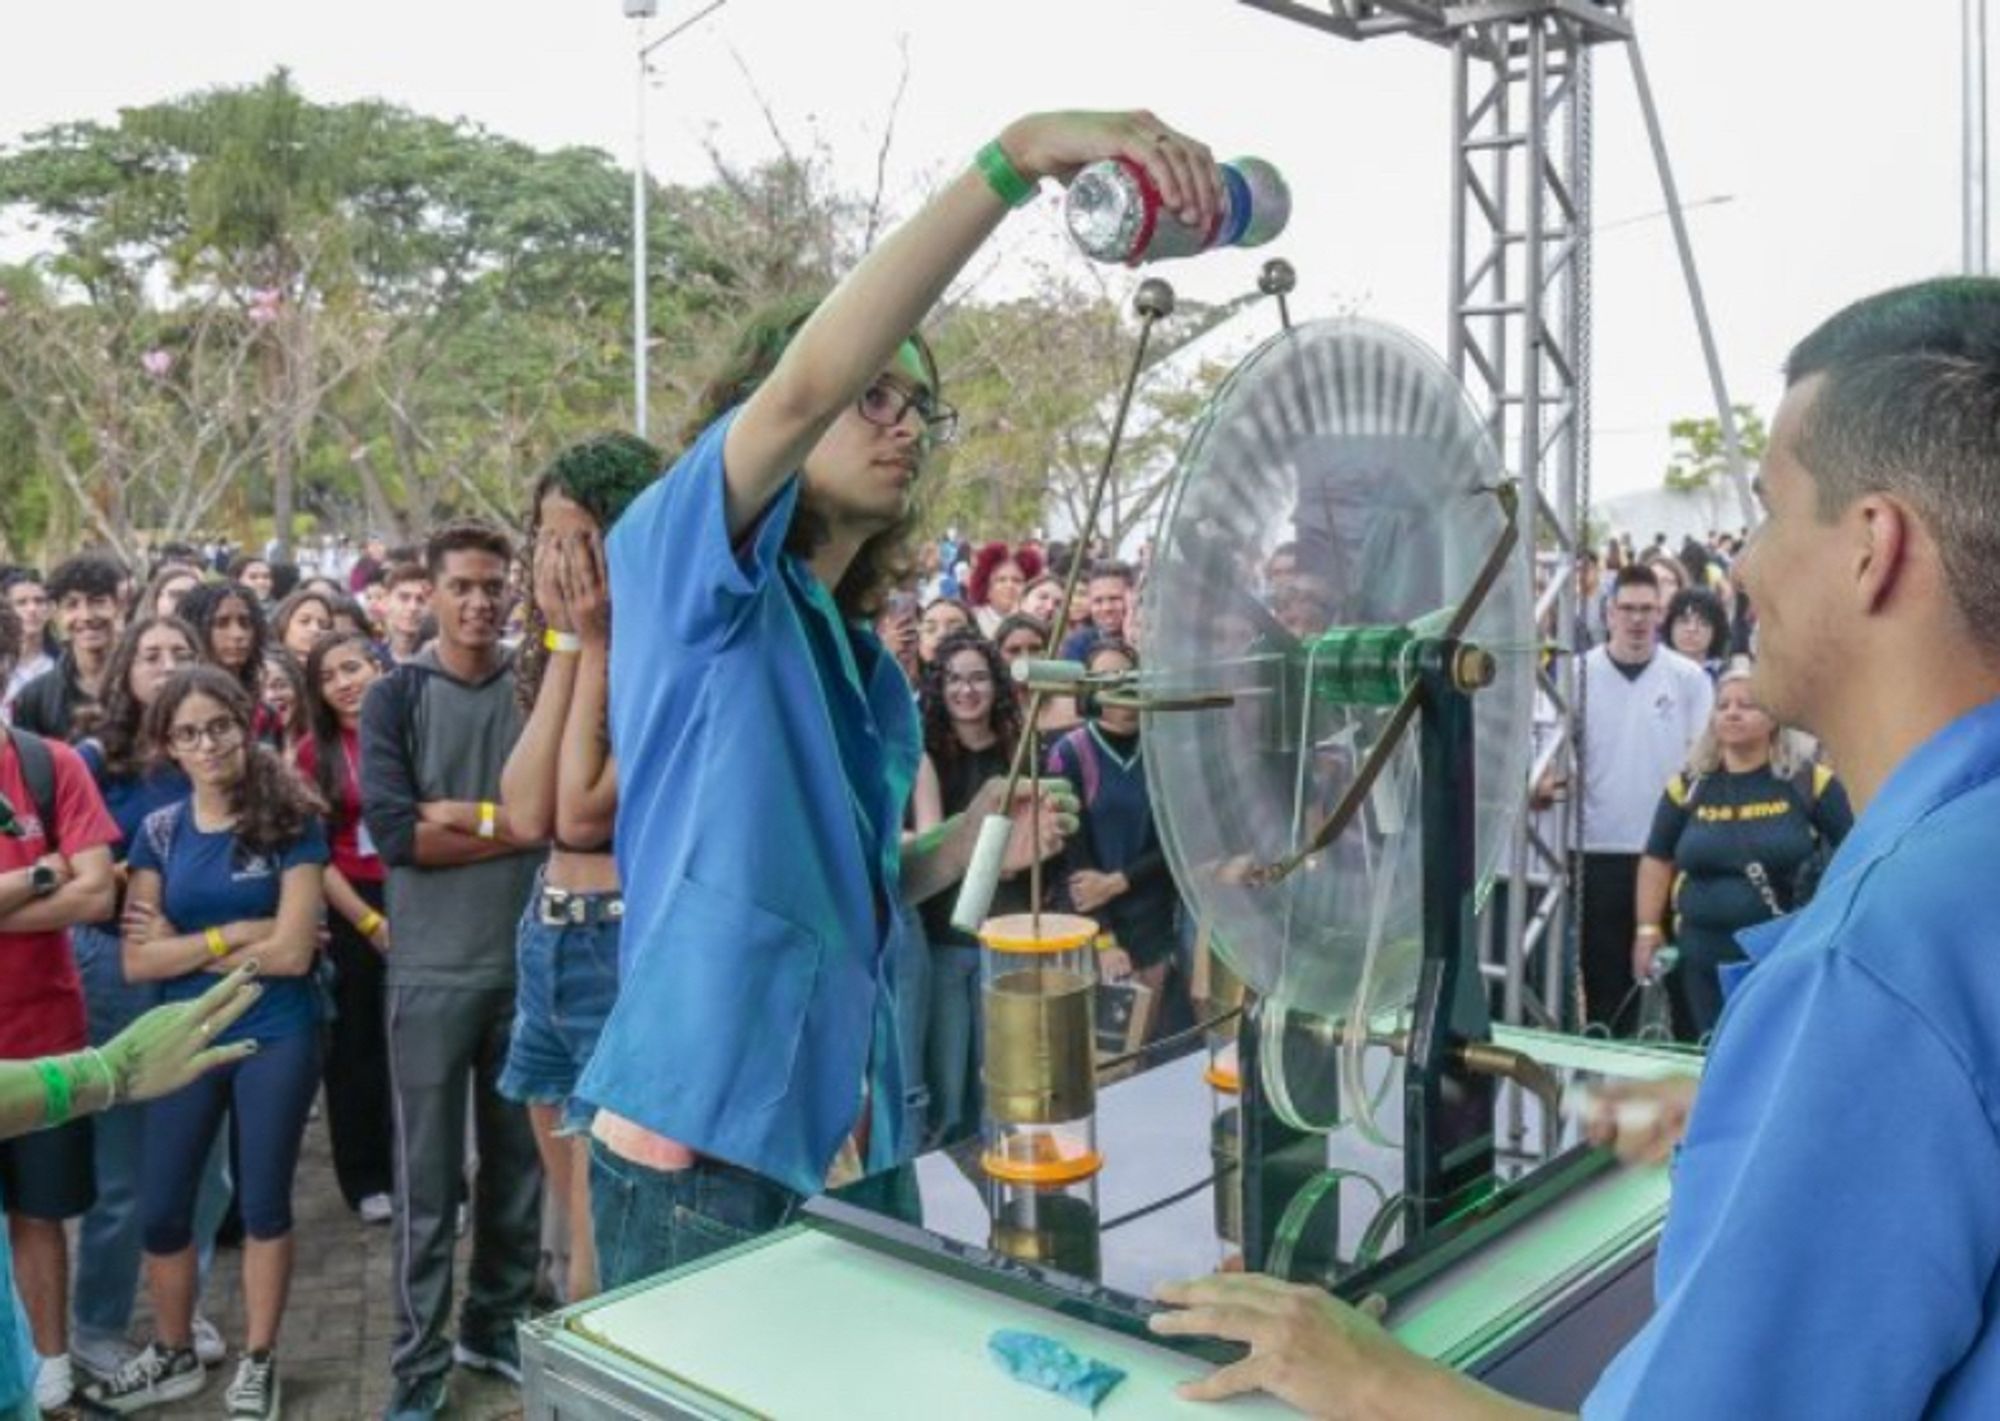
357,1061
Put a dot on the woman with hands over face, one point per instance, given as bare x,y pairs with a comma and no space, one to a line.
561,784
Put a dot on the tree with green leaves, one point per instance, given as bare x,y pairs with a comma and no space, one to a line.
1698,466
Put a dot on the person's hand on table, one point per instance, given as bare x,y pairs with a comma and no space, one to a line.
172,1044
1307,1348
1641,1121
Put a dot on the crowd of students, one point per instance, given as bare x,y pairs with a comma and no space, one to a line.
399,805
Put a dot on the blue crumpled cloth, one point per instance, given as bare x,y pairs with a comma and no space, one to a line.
1046,1363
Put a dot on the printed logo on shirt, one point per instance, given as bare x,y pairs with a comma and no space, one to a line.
1728,813
31,824
1663,704
251,867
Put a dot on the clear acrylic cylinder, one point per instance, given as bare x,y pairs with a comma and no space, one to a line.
1038,979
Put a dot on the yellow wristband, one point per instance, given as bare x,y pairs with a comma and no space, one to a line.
562,642
218,945
489,819
371,922
1647,930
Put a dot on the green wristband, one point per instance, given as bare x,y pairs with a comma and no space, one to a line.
1003,177
55,1092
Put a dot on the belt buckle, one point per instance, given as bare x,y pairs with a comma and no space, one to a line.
556,906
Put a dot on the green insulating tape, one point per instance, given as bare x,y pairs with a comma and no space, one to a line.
1365,666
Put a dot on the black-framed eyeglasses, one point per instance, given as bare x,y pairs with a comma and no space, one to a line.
884,403
222,732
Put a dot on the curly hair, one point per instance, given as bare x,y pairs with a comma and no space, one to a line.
272,804
121,719
987,561
886,560
940,740
601,475
329,760
202,606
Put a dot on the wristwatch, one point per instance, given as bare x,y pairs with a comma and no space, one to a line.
42,880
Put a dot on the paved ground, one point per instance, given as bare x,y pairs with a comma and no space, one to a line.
334,1351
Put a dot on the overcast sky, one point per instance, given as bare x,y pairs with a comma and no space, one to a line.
1833,128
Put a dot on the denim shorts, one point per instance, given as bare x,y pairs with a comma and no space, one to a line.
567,981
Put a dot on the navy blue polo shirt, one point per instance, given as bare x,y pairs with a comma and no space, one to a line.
766,748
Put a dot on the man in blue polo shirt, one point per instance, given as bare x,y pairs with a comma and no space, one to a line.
766,741
1833,1245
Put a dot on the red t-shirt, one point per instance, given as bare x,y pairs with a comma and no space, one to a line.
41,997
353,852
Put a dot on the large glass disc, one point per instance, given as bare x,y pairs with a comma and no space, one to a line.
1339,479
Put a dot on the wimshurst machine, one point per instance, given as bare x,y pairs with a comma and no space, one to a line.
1336,703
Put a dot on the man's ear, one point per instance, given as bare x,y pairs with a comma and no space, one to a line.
1884,531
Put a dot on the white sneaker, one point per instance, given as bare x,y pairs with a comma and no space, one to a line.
377,1209
55,1382
255,1394
208,1343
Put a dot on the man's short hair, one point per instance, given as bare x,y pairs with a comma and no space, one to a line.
398,573
92,574
1111,569
1909,405
468,535
1635,574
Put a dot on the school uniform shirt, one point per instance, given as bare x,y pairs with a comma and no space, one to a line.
130,798
1637,734
208,880
41,996
1118,835
766,749
1833,1243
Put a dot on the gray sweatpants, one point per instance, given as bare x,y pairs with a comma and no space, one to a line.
440,1040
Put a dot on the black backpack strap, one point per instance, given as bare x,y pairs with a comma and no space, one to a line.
38,771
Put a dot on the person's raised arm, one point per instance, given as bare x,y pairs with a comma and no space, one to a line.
587,773
528,783
856,330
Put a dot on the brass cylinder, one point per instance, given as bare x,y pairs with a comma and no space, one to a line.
1052,1229
1039,1068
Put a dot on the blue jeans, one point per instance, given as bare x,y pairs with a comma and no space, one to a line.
566,983
269,1093
956,1044
107,1255
645,1221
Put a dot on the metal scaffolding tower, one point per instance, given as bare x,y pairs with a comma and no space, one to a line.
1519,339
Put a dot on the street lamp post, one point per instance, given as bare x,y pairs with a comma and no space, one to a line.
1973,152
642,11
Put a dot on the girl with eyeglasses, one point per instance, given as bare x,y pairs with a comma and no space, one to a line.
133,784
231,875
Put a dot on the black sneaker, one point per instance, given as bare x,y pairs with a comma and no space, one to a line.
499,1355
254,1395
155,1377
